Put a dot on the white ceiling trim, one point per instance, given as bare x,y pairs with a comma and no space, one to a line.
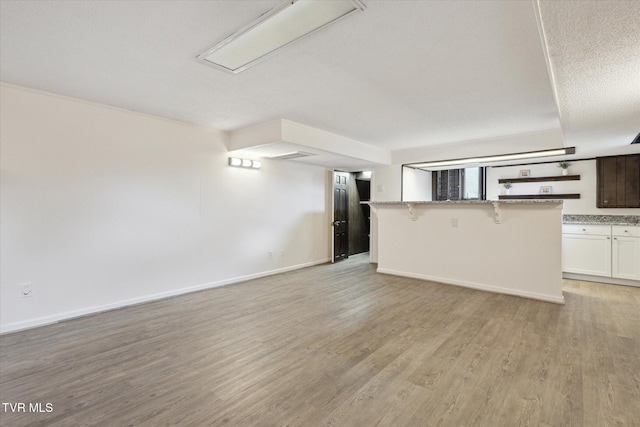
547,58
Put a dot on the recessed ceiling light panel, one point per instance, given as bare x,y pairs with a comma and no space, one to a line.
291,155
276,29
497,158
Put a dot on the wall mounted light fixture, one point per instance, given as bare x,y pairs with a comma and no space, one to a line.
245,163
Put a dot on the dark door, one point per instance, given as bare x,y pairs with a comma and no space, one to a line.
340,216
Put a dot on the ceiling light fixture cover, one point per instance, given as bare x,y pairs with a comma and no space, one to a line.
497,158
291,155
283,25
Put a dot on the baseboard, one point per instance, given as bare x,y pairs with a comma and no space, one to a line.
477,286
601,279
59,317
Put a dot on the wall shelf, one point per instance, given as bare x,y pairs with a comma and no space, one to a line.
540,179
539,196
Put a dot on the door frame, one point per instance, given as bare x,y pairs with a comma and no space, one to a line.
331,205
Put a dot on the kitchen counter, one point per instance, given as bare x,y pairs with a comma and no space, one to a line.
497,205
472,202
601,219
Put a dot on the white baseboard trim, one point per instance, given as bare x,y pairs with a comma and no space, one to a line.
477,286
601,279
59,317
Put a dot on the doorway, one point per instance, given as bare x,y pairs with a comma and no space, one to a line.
351,213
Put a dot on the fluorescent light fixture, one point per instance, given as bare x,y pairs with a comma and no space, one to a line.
497,158
245,163
283,25
291,155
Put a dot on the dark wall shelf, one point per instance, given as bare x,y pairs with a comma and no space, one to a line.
541,179
539,196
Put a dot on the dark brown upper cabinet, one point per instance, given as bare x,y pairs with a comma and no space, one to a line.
618,184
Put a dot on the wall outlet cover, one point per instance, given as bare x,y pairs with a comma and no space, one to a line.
26,290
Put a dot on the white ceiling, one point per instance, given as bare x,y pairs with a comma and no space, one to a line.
399,75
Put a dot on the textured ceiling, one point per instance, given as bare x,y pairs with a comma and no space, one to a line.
401,74
594,48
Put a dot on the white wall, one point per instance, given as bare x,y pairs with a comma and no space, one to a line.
416,184
586,186
386,183
103,207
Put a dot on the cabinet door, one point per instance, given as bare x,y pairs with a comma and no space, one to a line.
626,257
632,181
586,254
607,173
618,183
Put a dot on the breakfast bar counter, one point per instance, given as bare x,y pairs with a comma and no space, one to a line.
512,246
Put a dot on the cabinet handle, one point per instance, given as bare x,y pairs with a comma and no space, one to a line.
608,238
615,238
584,229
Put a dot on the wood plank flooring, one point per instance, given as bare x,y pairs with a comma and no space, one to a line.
336,345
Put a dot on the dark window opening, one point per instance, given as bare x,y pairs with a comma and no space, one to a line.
459,184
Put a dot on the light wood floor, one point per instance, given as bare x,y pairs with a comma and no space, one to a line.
336,345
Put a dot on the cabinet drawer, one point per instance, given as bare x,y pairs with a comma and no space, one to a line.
589,230
625,230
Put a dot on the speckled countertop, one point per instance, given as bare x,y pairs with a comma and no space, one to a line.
474,202
601,219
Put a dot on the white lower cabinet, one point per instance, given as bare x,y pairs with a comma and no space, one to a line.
625,252
586,254
601,250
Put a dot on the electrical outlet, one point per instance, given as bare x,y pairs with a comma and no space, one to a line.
282,252
26,290
270,254
454,222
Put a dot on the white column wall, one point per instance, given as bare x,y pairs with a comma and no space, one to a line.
386,185
416,185
103,207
